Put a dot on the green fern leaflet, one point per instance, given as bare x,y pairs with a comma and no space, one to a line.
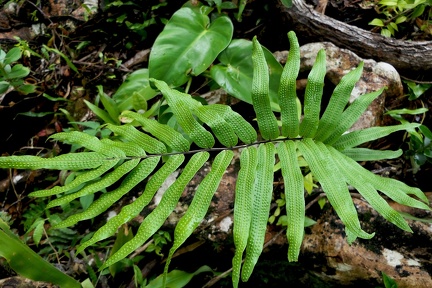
139,151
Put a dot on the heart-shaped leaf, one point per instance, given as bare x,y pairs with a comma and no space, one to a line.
235,72
188,45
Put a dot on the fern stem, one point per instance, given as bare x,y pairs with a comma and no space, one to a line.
215,149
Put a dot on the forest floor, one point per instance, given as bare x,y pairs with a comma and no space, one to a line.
104,48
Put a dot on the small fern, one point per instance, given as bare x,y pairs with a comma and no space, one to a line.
330,153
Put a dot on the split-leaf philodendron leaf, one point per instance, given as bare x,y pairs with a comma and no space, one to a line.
139,151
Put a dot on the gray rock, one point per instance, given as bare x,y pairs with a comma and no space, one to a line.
403,256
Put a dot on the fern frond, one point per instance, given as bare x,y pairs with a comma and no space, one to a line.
267,122
158,216
79,180
71,161
322,145
226,124
133,209
398,191
200,203
130,149
294,196
111,148
138,174
243,208
149,144
338,100
358,137
346,168
103,183
351,115
287,90
241,127
365,154
178,103
79,138
320,162
222,130
164,133
394,189
313,95
261,199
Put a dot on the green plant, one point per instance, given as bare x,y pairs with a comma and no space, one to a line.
416,90
36,217
190,25
399,12
68,61
280,203
24,46
329,152
133,94
282,219
12,75
160,239
177,278
388,282
29,264
419,141
419,146
232,67
195,35
133,16
199,44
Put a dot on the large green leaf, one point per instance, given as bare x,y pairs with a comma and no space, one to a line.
188,45
136,85
27,263
235,72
